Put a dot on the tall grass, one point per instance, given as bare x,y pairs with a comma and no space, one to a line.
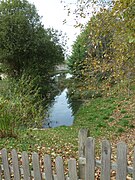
20,106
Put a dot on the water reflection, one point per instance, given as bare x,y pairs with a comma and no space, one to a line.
62,109
60,113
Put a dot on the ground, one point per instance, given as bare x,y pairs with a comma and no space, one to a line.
111,117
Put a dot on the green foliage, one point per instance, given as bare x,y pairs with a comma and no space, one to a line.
123,122
20,106
28,54
7,126
120,130
65,139
24,43
96,47
123,111
111,119
103,54
79,53
125,9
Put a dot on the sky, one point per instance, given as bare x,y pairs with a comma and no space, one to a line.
53,15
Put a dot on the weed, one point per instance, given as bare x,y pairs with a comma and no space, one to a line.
120,130
123,122
131,126
111,119
123,111
105,117
101,124
127,116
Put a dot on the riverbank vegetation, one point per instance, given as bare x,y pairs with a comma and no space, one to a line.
102,64
29,54
103,55
20,106
109,117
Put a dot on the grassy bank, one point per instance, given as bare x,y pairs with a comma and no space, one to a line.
110,117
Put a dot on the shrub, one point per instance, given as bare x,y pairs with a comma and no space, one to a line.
20,106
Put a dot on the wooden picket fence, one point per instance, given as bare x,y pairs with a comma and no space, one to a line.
85,170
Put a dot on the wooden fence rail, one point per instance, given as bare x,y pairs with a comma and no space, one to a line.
85,170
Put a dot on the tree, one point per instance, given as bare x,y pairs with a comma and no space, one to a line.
124,41
79,53
95,51
109,48
24,43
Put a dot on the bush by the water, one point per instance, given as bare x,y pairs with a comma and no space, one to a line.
20,106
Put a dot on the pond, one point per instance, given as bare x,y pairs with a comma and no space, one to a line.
62,110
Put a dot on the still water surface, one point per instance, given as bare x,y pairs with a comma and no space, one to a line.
60,113
62,110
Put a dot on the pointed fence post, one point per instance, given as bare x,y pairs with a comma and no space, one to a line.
0,173
55,177
134,164
72,169
16,169
83,134
106,160
48,167
59,168
25,165
121,161
5,164
36,166
90,159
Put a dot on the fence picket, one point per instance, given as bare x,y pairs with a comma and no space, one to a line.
5,164
67,178
72,169
90,159
0,173
59,168
134,164
15,165
36,167
121,161
25,165
55,177
87,162
105,160
82,137
48,167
